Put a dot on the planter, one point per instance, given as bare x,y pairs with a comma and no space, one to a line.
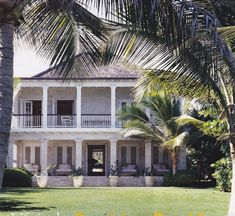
42,181
77,181
113,181
149,181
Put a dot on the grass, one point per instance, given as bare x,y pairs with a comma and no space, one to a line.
113,201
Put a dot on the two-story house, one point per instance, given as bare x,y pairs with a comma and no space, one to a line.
74,122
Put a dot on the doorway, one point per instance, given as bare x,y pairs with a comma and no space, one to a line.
96,160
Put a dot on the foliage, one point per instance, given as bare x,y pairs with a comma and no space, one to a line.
116,169
77,172
181,179
27,171
223,174
50,170
16,178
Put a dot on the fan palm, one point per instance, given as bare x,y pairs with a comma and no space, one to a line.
59,29
165,126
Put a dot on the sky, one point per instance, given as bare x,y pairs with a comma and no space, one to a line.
26,62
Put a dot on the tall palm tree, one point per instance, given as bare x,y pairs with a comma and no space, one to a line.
61,30
185,47
165,125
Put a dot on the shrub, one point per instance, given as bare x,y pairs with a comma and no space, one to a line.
181,179
16,178
223,174
27,171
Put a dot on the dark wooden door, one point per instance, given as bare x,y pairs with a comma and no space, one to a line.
65,107
96,160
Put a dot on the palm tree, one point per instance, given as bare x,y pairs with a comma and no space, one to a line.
61,30
165,126
185,47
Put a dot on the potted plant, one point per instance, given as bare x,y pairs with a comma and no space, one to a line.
115,172
42,178
77,175
148,177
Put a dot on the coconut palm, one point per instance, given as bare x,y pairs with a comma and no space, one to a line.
165,125
185,47
60,30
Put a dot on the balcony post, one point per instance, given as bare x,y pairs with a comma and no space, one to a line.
78,106
113,106
148,155
44,106
43,153
78,156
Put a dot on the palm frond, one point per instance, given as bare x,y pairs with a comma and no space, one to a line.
175,142
189,120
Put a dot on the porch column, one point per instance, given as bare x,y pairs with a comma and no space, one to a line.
148,155
182,158
113,106
10,155
78,156
44,106
43,153
113,151
78,105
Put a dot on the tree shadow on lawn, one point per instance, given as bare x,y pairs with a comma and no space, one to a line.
17,205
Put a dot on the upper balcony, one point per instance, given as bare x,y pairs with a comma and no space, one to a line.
70,107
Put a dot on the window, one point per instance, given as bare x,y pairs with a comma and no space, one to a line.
27,154
133,155
59,155
123,106
37,155
165,157
155,155
69,155
123,155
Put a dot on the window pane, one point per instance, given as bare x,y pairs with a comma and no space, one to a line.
59,155
123,155
165,157
37,155
133,155
155,155
69,155
123,106
27,155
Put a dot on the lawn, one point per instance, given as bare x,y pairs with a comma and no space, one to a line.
114,201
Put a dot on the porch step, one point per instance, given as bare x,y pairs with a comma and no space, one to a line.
59,181
95,181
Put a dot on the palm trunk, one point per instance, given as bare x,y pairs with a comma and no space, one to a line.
174,161
6,90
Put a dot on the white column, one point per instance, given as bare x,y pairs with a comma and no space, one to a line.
44,105
78,106
182,158
148,155
113,151
78,156
10,156
43,153
113,106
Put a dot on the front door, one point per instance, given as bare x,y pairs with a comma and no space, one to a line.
96,160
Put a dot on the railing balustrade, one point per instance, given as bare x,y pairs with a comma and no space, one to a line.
96,120
61,121
28,120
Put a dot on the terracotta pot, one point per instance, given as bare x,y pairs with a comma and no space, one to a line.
42,181
77,181
113,181
149,181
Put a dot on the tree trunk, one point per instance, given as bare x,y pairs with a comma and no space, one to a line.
232,201
174,161
6,90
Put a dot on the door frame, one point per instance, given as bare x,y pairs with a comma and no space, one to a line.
101,146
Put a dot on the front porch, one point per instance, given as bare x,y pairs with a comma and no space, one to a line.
94,156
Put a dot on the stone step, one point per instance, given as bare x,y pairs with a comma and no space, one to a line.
95,181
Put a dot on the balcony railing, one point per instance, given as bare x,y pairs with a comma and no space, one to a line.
64,121
96,120
61,121
28,121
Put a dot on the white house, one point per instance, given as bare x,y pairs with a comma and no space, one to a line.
74,122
